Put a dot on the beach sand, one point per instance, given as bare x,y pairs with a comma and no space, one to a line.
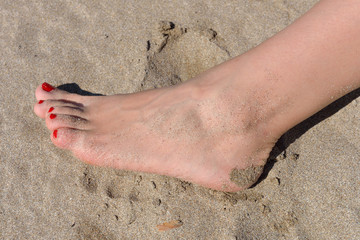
310,188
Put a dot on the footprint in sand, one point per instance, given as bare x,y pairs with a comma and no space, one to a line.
86,230
89,181
176,54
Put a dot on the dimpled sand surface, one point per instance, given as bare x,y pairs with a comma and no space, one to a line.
310,189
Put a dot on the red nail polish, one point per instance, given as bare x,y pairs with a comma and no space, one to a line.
41,101
50,110
52,116
47,87
55,133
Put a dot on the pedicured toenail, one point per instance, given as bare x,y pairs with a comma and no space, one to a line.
55,133
51,109
41,101
52,116
47,87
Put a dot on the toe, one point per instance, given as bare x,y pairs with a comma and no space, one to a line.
42,107
46,91
67,138
67,110
75,141
55,121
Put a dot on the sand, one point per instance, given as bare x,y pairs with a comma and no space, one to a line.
310,188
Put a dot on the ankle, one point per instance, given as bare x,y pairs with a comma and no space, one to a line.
241,103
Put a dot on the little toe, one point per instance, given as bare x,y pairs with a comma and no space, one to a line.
55,121
46,91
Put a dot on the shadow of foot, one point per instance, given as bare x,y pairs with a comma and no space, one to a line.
74,88
296,132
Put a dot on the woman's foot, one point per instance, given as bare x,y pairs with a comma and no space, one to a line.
205,131
218,129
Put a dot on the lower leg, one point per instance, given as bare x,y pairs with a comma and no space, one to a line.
311,63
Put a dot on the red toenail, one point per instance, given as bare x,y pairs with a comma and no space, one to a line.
55,133
41,101
51,109
47,87
52,116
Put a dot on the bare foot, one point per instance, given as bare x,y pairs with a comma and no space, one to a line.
218,129
204,131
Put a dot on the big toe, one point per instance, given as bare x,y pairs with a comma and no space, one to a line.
67,138
77,141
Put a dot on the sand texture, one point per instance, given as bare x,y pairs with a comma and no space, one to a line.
310,189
